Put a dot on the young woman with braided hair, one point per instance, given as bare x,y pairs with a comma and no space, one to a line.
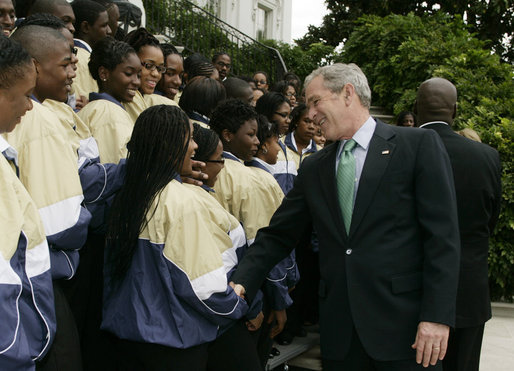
169,248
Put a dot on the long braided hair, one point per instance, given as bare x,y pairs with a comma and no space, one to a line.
155,156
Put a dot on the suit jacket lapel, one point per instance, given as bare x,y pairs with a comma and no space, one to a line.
379,153
327,171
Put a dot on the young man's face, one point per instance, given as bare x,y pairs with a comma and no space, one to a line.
172,78
55,73
68,35
6,16
65,14
15,101
99,30
114,16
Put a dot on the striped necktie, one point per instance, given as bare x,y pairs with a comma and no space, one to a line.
346,182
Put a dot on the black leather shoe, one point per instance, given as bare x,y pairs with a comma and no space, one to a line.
284,338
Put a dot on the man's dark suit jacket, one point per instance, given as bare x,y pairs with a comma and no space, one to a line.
399,264
477,175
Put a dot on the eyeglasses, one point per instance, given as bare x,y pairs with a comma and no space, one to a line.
152,67
222,64
262,82
283,114
289,95
222,161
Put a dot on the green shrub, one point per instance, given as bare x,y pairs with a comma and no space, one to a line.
303,62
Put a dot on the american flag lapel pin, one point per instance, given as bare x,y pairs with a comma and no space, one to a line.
385,152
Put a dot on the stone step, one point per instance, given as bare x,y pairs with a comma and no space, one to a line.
503,309
163,39
298,347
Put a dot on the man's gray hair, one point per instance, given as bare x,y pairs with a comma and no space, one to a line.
336,76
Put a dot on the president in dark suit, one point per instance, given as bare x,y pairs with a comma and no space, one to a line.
382,201
477,177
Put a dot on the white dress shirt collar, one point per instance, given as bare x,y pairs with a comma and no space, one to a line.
362,136
6,149
293,140
434,122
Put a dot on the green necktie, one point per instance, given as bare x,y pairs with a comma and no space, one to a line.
346,182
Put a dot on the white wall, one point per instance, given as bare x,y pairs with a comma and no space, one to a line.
243,15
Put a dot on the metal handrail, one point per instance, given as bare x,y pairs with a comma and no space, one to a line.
198,30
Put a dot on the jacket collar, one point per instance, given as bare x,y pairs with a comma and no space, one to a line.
82,44
291,143
97,96
230,156
257,162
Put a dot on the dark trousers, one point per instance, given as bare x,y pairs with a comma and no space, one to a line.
64,354
235,350
464,348
358,360
264,341
134,356
84,293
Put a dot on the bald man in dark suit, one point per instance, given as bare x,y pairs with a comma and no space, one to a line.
477,177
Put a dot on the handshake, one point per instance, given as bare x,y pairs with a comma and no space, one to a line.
279,316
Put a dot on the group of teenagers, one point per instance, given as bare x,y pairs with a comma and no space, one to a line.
124,213
151,209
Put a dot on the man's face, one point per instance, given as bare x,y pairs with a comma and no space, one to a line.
326,108
65,14
6,16
100,29
223,65
55,73
15,101
67,34
114,16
